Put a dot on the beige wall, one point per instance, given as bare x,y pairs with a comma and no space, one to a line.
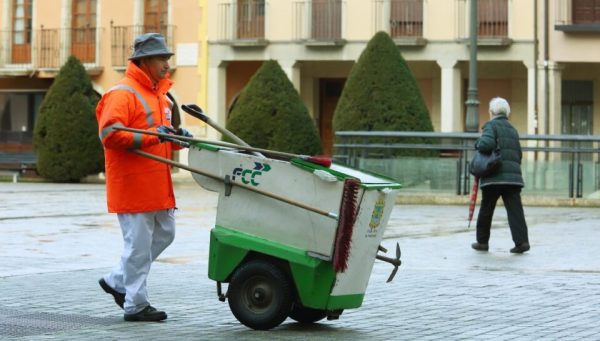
568,47
122,14
521,18
444,22
185,15
441,18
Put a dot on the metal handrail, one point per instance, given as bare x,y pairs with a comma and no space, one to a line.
353,145
473,136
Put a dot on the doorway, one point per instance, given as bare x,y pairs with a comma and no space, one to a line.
330,90
577,111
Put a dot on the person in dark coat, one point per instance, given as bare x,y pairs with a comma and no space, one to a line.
507,182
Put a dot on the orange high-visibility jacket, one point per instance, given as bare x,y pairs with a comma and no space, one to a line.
135,183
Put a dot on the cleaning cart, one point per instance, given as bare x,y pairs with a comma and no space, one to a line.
295,236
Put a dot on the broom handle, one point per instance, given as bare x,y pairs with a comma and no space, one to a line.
252,189
216,143
197,112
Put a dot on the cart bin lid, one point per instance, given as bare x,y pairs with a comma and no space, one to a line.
368,180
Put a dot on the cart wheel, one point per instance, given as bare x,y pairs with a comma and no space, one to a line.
306,315
260,295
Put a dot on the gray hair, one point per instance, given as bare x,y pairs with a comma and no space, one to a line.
499,106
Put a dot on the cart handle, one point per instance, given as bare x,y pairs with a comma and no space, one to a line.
216,177
197,112
323,161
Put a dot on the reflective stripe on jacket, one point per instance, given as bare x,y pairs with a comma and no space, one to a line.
135,183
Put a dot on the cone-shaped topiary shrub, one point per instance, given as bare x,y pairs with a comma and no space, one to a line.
381,94
270,114
66,132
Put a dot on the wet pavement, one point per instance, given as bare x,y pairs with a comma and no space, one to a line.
57,240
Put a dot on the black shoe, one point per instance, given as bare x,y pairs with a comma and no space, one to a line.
520,248
480,246
149,314
119,298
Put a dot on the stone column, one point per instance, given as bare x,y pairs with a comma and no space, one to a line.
450,106
555,112
549,97
532,120
217,108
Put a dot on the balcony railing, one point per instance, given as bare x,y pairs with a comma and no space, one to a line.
319,20
48,48
493,19
242,20
122,38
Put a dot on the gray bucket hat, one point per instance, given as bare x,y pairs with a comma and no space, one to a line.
150,44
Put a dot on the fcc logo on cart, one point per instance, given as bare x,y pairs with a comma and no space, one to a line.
250,175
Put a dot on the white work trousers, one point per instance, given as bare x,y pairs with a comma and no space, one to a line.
145,236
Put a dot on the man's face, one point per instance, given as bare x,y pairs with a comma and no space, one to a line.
156,67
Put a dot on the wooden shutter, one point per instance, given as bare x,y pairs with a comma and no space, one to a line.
156,16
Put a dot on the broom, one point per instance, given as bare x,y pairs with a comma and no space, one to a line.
347,217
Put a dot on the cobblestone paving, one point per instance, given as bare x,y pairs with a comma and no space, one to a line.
57,241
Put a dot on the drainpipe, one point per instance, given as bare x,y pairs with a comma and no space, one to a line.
546,70
536,56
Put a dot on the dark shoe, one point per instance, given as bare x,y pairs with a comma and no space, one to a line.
119,298
480,246
149,314
520,248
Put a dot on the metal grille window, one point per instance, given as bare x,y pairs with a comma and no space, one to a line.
250,19
493,18
586,11
406,18
326,19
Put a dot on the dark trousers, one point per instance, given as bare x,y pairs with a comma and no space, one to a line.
511,196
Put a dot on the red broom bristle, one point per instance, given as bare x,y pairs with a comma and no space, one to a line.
345,226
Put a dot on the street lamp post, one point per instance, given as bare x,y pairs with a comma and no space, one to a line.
472,124
472,120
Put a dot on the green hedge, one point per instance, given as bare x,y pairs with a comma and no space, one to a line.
66,132
270,114
381,94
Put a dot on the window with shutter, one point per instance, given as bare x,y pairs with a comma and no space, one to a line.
21,32
83,30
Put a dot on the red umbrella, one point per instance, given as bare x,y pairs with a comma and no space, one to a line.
473,199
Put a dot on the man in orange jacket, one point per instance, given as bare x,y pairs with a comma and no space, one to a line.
139,189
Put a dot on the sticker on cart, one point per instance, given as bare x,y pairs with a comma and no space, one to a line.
250,175
376,216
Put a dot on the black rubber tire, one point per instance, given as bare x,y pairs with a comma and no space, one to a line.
306,315
260,295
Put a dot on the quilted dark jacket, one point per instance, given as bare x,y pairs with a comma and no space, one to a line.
510,150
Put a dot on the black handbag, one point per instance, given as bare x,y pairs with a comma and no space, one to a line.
483,165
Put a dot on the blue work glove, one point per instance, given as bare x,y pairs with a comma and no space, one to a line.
183,132
164,130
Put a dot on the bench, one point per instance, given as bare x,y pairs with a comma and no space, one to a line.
16,164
